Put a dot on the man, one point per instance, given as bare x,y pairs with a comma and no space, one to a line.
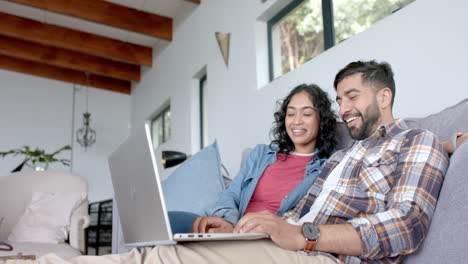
371,203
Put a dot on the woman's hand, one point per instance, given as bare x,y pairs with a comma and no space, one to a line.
460,139
211,224
285,235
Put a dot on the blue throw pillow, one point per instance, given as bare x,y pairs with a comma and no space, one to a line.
195,185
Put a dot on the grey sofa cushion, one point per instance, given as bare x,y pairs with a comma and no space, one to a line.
447,239
444,123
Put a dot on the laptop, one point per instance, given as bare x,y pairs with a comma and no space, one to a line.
140,200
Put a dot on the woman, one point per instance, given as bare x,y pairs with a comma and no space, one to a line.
277,177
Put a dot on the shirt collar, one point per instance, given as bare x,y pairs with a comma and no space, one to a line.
271,150
389,129
274,150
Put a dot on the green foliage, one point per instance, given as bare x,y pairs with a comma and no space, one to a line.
353,17
302,29
37,155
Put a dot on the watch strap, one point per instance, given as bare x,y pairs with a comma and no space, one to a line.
310,245
311,239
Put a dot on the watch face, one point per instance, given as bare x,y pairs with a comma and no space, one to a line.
311,231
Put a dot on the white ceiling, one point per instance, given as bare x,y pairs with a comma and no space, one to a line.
176,9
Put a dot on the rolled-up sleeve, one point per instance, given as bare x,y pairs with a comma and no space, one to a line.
411,202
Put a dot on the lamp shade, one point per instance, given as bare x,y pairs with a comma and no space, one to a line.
171,158
19,167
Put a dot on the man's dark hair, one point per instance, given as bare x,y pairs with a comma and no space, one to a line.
326,139
379,75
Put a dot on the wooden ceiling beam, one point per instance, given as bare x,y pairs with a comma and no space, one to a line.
195,1
110,84
62,74
61,37
68,59
109,14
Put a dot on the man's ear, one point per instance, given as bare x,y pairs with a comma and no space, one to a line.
385,98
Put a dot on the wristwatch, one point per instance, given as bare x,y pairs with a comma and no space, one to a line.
312,233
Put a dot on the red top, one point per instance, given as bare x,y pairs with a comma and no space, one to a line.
277,181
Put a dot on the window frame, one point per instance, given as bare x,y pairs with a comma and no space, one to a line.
328,28
161,118
202,90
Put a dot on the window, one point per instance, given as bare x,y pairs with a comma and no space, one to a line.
161,127
305,28
203,111
353,17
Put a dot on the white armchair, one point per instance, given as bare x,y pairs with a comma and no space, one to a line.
16,191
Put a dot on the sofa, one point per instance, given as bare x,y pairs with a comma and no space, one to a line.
35,203
447,239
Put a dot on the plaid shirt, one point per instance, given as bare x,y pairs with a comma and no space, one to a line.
387,191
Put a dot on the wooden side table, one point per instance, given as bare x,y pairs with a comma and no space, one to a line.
19,256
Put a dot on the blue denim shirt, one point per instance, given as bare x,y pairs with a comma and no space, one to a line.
233,201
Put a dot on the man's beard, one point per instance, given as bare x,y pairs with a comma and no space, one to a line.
369,120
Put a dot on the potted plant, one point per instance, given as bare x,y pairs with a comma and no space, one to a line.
34,158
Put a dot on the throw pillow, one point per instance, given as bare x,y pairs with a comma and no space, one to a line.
195,185
47,218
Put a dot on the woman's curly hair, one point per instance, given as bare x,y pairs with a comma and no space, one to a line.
326,139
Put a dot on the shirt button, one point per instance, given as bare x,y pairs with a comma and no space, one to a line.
285,197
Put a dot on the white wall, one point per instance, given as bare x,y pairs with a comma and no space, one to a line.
37,112
110,115
424,42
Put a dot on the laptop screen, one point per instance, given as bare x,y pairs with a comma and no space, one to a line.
138,193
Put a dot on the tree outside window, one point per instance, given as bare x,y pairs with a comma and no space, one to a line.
353,17
298,32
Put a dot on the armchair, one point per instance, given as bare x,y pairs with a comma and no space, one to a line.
16,192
